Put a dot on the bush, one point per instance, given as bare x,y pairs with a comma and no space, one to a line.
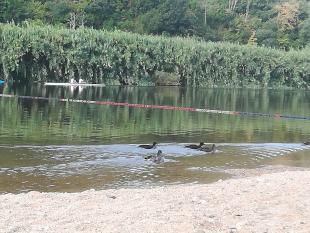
46,53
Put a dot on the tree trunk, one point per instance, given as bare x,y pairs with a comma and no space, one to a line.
205,14
235,4
232,5
247,10
82,20
72,21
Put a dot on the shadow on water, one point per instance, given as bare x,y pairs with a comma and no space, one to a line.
52,146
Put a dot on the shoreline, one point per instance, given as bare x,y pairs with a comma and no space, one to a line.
269,199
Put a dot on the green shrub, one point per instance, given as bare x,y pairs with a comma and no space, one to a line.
46,53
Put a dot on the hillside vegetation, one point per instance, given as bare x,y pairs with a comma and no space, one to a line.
274,23
41,53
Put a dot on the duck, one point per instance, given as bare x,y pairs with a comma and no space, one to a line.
307,143
208,148
149,146
193,146
159,158
154,158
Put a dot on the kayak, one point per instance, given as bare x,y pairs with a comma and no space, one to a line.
74,84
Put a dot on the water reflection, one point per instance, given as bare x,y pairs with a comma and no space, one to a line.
51,122
53,146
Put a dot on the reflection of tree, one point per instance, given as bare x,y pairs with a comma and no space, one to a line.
55,122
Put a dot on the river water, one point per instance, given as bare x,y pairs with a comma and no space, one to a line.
47,145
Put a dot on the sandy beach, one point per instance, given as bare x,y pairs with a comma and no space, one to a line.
262,202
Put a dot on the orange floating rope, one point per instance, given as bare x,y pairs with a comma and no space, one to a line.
163,107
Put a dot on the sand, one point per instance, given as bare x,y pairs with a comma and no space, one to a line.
274,202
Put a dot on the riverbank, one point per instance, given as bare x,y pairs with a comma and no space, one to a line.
272,202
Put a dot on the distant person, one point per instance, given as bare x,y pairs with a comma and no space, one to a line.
72,81
81,81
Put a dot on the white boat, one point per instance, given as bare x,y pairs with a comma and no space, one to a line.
75,84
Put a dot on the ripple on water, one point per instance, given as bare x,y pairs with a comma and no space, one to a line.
124,165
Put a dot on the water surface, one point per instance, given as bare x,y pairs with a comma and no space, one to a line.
53,146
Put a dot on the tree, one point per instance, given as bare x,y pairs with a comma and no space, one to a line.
232,5
287,14
36,10
247,12
214,20
105,13
170,17
58,12
13,10
287,19
253,40
77,14
140,7
304,32
267,34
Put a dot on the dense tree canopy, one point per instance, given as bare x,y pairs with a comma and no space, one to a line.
275,23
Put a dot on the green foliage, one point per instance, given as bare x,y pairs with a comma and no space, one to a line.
104,13
13,10
267,35
58,54
305,31
253,39
278,23
57,13
36,10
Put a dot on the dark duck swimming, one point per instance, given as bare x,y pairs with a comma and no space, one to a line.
307,143
193,146
149,146
208,149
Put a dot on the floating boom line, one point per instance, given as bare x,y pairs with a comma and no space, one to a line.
163,107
